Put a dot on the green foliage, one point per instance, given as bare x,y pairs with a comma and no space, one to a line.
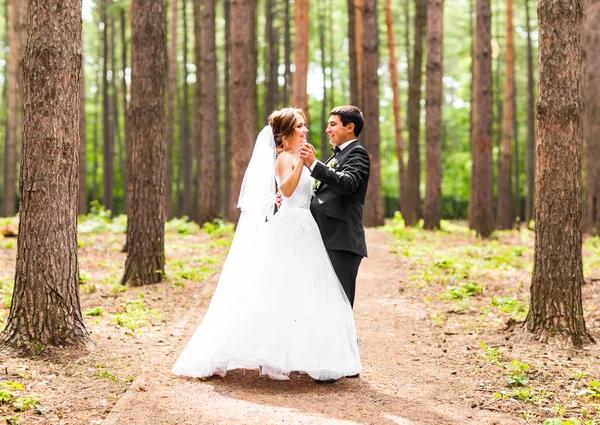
28,402
8,243
570,421
6,290
96,311
99,220
218,228
518,374
462,290
490,353
134,315
105,374
84,277
182,226
592,391
517,310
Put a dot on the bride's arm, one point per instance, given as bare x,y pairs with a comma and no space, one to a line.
289,175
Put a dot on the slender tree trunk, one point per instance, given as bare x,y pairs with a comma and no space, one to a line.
408,64
45,306
432,211
271,60
124,105
287,55
227,122
517,172
591,122
505,202
352,64
83,202
18,10
411,200
186,159
481,216
332,58
170,124
359,23
146,231
324,114
373,212
530,157
5,98
243,90
301,59
114,109
95,186
399,143
555,308
208,118
108,142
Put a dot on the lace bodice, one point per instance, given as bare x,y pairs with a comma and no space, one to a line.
303,193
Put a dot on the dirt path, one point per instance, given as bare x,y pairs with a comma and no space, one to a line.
412,373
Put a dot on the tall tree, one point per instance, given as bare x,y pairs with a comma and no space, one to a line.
146,230
324,115
227,107
505,205
555,308
398,141
95,150
108,147
352,52
171,94
207,116
186,158
358,31
301,59
5,95
410,201
432,209
124,100
18,9
530,155
591,121
83,202
287,87
243,90
45,307
114,109
271,59
481,216
373,214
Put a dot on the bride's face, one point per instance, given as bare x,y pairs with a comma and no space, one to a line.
300,131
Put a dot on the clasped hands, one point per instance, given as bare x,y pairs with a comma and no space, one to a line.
309,155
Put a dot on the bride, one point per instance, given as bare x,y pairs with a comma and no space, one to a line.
279,306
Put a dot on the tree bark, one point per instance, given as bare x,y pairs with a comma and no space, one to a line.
271,60
186,159
18,25
530,156
432,210
352,46
591,122
114,112
359,39
411,200
287,55
171,94
227,122
481,216
45,306
324,115
301,59
108,150
208,117
83,201
555,309
124,104
243,90
398,141
505,205
145,262
373,211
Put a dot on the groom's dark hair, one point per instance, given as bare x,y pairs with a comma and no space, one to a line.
350,114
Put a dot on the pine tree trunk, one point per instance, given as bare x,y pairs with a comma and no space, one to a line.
301,59
352,64
481,216
5,98
411,200
432,210
591,122
95,143
359,38
170,124
124,105
243,90
108,150
186,160
373,212
287,88
398,141
227,122
18,10
271,60
114,112
208,118
530,156
505,202
145,262
555,309
324,115
83,202
517,161
45,306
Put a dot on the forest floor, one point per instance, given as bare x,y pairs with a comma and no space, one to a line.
431,313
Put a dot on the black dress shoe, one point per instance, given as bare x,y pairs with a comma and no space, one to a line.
354,376
326,381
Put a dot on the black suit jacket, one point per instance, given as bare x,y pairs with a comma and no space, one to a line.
340,197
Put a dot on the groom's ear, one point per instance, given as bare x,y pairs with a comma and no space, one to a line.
351,127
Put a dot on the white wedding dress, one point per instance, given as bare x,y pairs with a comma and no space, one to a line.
279,306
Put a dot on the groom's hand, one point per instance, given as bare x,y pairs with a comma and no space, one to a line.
278,199
308,154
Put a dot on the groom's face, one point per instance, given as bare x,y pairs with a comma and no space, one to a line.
338,132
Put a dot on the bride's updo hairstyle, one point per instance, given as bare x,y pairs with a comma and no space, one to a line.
283,123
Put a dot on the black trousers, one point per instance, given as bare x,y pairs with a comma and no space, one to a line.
345,264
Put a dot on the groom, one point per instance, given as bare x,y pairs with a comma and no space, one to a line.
337,205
